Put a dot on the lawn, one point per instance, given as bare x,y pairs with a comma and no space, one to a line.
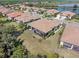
3,19
38,45
73,20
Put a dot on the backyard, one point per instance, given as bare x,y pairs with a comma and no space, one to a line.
37,45
33,42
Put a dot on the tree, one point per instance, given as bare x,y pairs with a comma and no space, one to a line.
19,52
75,7
8,41
21,26
52,55
39,56
1,53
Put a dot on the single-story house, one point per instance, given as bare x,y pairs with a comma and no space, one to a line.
6,11
1,8
70,36
35,9
67,14
52,11
43,26
14,14
26,17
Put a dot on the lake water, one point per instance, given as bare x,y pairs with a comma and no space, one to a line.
63,7
67,5
68,0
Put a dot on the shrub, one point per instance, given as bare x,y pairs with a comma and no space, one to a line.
52,55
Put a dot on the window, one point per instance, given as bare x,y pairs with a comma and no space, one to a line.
76,48
67,45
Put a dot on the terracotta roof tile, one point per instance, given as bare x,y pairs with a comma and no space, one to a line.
52,11
26,17
14,14
68,13
71,33
2,8
44,25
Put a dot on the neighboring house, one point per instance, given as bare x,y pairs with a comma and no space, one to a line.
26,17
6,11
70,36
43,26
35,9
52,11
14,14
1,8
67,14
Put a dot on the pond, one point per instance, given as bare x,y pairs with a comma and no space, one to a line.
67,7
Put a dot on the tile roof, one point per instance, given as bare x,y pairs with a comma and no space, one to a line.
26,17
14,14
6,11
71,33
2,8
68,13
52,11
44,25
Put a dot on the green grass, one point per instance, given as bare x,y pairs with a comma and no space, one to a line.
16,25
4,20
76,20
73,20
45,47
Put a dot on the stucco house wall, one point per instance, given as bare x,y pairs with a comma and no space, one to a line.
69,46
